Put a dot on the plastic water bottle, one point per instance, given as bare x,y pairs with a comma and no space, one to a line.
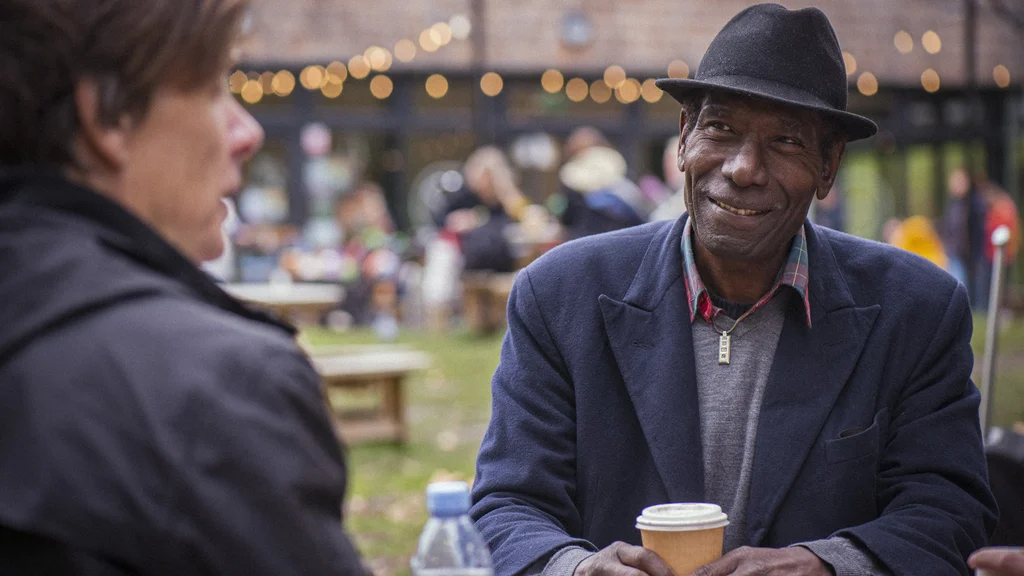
449,544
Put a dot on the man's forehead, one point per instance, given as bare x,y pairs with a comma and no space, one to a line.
721,104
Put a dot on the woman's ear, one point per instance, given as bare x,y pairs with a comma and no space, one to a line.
104,146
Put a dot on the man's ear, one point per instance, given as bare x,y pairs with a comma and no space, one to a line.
99,141
682,141
831,169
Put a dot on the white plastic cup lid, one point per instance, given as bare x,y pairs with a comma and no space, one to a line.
676,517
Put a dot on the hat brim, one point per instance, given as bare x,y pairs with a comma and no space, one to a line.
857,127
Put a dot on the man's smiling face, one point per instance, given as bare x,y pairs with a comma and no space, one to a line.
752,169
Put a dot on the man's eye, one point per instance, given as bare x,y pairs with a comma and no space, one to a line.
791,141
719,126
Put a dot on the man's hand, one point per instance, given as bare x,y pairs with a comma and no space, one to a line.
1001,561
621,559
746,561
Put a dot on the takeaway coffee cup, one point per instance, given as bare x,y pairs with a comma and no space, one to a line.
685,536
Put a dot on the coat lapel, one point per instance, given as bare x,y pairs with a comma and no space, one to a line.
649,335
810,369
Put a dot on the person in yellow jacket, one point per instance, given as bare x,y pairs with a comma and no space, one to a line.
918,236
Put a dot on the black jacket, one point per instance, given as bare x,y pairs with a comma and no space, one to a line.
149,423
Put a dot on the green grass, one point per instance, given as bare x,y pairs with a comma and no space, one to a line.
1008,401
448,409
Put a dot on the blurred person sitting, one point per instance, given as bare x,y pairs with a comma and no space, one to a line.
674,206
917,235
370,245
149,423
596,196
479,212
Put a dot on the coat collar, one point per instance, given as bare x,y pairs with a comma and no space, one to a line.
650,337
121,231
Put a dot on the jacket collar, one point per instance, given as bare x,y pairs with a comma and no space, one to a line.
650,337
121,231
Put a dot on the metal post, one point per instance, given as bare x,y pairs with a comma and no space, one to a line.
1000,237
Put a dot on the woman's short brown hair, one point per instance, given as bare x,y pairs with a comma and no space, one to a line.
129,47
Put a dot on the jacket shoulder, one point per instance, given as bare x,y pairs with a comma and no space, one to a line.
878,273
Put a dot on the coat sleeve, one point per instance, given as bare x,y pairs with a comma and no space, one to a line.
263,478
526,471
932,494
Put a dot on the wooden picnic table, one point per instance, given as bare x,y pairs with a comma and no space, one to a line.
383,369
295,301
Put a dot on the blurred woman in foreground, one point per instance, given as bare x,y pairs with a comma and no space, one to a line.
149,423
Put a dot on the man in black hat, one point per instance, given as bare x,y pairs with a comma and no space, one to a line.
814,385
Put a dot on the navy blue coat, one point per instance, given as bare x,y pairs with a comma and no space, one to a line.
595,412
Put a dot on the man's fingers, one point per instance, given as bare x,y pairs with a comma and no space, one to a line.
723,566
644,560
1002,561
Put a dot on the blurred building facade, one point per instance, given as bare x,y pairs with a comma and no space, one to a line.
399,91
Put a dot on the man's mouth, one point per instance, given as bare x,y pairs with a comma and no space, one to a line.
738,211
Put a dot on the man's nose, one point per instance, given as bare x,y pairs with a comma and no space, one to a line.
246,134
746,166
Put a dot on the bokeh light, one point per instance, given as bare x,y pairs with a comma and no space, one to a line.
600,92
867,84
437,86
576,89
252,91
405,50
650,92
267,81
931,42
491,84
1001,74
236,81
850,62
904,42
378,58
629,91
358,67
552,81
460,26
312,77
335,73
283,83
614,76
930,80
381,86
441,33
427,41
678,69
332,90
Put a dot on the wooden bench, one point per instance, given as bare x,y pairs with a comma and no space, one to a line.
484,300
382,370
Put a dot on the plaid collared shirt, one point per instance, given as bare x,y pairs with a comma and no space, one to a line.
793,274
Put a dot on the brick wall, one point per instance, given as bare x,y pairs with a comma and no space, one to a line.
641,35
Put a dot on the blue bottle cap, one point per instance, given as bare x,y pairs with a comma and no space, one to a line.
448,498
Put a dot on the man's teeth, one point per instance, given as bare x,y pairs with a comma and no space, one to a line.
739,211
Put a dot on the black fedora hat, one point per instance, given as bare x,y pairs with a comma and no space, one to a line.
787,56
